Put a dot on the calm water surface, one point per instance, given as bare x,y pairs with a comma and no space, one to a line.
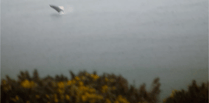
140,39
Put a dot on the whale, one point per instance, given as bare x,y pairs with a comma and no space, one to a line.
57,8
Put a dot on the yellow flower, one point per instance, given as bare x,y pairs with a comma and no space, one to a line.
99,97
106,80
47,96
164,100
4,82
92,101
173,93
121,99
107,101
86,73
104,88
6,87
61,85
77,78
84,98
56,100
13,99
69,82
95,77
55,95
113,88
81,83
82,77
112,80
62,96
116,102
53,84
28,102
92,90
67,97
16,97
28,84
37,96
90,97
61,91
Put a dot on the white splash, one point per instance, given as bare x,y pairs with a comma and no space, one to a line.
68,9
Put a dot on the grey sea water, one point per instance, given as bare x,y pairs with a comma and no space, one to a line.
139,39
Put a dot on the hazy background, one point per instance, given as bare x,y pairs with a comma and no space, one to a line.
139,39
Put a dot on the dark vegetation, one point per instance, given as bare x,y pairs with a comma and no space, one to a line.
194,94
90,88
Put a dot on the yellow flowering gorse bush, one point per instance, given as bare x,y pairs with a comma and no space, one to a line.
82,88
28,84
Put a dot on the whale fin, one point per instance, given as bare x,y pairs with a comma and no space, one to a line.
57,8
61,7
